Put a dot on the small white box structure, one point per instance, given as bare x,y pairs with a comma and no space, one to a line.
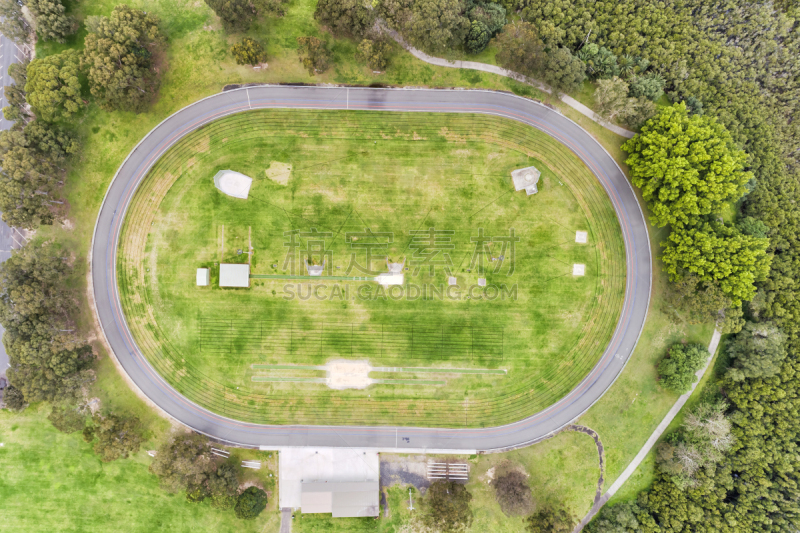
581,237
315,270
452,281
526,179
481,282
388,278
578,269
203,277
233,183
234,275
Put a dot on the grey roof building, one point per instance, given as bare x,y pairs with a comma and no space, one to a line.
234,275
341,498
526,179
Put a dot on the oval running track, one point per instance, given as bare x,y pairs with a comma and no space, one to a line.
402,439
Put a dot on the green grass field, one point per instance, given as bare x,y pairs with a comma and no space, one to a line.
364,188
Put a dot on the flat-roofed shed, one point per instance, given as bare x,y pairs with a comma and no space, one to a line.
234,275
343,499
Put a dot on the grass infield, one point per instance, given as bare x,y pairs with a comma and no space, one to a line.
337,186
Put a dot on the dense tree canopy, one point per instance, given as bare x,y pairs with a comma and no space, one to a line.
13,23
52,24
352,18
432,25
17,108
250,503
446,507
114,436
477,37
686,166
757,351
563,71
550,520
118,58
492,15
236,15
53,87
600,62
521,50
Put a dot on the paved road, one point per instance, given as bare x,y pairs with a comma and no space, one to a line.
521,433
9,239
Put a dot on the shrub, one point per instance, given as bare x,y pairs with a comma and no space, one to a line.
374,53
314,54
447,507
66,419
250,503
513,493
478,37
248,52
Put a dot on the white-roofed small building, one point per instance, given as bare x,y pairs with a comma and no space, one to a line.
233,183
203,277
234,275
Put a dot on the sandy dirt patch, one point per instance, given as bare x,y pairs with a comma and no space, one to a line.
348,374
279,172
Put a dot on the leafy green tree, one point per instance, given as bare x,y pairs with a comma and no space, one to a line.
114,436
446,507
563,71
753,227
314,54
236,15
248,52
223,485
520,49
13,23
250,503
492,15
182,462
374,53
67,419
432,25
118,58
677,370
600,61
700,302
351,18
611,97
758,351
550,520
718,254
686,166
478,37
650,86
643,110
513,493
14,399
17,108
52,24
53,88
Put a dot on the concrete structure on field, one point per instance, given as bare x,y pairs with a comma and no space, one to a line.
233,183
203,277
394,276
315,270
234,275
340,481
526,179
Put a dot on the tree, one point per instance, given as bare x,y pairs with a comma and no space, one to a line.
314,54
13,23
236,15
563,71
447,507
687,167
600,61
702,302
32,163
611,97
223,486
248,52
477,38
351,18
549,520
758,352
250,503
650,86
513,493
753,227
643,110
53,88
17,108
677,370
118,58
492,15
521,50
432,25
182,462
67,419
374,53
114,436
718,254
14,399
52,24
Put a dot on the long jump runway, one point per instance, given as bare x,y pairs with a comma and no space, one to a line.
386,438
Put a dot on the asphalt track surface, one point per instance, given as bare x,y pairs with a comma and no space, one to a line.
386,438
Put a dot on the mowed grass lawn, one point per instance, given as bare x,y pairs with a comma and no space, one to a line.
365,186
54,482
